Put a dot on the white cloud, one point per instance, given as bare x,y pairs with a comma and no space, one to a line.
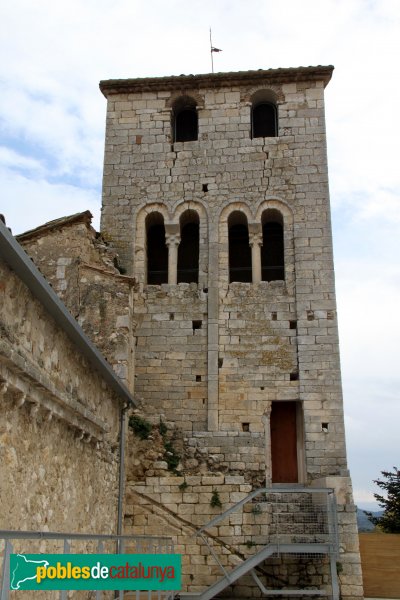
55,130
368,301
14,160
27,203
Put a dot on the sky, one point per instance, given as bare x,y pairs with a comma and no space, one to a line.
52,119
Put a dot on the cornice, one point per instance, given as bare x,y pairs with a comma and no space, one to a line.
216,80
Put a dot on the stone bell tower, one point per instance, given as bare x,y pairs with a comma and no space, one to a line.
215,196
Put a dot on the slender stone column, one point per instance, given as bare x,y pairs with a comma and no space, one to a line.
172,239
266,419
255,241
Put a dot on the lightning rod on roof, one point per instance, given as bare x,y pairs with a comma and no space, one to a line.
213,49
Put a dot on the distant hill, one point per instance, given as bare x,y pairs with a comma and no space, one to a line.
362,520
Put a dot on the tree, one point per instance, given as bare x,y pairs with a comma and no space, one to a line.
389,522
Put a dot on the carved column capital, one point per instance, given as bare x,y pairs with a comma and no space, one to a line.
172,239
172,229
255,239
255,233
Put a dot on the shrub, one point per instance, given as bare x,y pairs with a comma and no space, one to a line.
140,427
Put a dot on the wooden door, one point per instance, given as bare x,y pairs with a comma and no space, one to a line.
284,442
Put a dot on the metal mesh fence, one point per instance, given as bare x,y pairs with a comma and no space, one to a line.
297,518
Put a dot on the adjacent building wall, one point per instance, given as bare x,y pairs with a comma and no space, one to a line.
59,424
82,271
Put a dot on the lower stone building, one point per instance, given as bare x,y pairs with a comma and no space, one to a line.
60,410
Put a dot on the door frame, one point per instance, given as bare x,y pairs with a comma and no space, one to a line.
300,444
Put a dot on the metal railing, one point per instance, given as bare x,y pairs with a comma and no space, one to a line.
297,521
294,515
38,542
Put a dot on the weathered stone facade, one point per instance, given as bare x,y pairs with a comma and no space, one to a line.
260,333
82,271
220,363
59,424
219,357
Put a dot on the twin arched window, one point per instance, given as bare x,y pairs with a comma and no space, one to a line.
177,250
180,250
271,253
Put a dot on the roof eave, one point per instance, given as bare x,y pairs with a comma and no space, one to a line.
83,217
272,76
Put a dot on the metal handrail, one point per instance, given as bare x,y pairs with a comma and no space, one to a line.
252,495
329,546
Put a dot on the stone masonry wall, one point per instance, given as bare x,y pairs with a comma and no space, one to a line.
59,424
59,247
81,269
171,354
288,331
257,352
280,336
